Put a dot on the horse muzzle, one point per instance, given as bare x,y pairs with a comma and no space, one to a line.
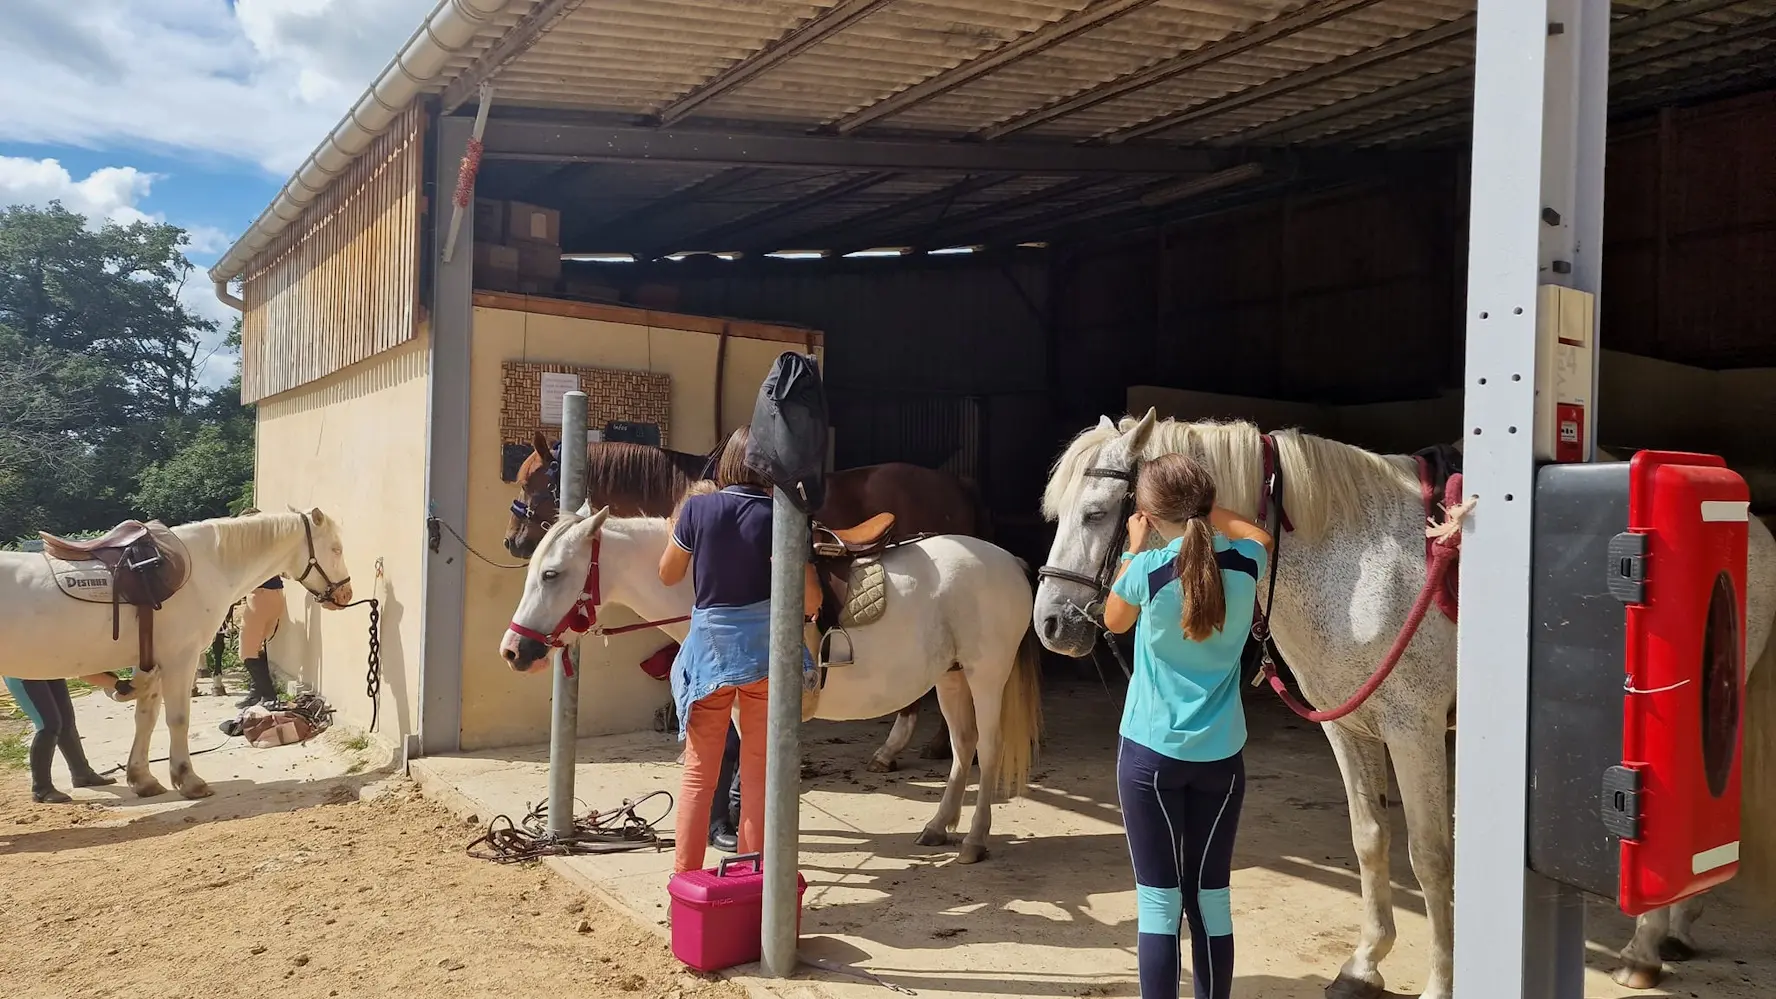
523,653
1063,628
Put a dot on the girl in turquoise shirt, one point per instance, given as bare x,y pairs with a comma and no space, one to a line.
1180,774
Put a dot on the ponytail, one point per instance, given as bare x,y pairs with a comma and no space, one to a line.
1199,578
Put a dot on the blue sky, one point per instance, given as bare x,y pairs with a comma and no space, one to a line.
192,112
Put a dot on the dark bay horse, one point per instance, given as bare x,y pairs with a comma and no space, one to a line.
637,480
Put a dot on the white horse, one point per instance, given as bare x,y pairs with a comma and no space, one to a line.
1347,575
46,635
957,617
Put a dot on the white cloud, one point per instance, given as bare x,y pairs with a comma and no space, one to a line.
259,80
110,193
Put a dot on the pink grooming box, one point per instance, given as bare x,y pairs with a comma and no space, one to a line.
716,913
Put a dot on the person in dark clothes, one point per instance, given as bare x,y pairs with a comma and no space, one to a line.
51,710
724,818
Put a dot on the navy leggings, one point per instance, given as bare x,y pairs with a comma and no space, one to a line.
1181,819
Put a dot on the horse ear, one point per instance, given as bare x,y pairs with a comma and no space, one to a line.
540,444
1137,438
596,522
317,516
1105,423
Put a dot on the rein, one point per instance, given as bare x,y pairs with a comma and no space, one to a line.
582,616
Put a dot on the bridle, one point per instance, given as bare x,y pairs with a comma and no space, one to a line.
1270,511
522,509
327,595
582,615
1100,584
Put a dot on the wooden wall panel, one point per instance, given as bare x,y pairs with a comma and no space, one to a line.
342,284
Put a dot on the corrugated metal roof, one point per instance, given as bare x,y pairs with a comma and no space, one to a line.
1218,73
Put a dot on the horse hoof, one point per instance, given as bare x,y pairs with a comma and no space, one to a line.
149,788
972,853
877,766
933,837
1674,949
195,790
1638,977
1346,987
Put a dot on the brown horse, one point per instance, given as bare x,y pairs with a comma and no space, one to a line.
636,480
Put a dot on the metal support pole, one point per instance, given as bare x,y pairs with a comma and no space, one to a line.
783,763
1535,216
564,720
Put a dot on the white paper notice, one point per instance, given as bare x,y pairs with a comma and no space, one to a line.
555,385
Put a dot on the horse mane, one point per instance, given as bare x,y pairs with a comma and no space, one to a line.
647,475
246,536
1324,482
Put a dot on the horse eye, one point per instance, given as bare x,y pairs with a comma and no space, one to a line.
1093,516
550,575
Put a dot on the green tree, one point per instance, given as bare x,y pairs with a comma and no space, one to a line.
102,412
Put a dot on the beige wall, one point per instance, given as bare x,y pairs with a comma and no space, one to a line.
354,444
502,708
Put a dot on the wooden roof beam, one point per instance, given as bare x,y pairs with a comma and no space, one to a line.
1418,41
1315,13
815,239
800,39
952,229
515,42
713,237
536,138
1040,40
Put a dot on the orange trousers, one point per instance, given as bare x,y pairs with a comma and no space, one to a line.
706,735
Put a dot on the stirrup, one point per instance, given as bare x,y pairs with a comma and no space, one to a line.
827,659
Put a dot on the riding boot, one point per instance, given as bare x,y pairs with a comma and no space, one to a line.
75,755
43,789
261,689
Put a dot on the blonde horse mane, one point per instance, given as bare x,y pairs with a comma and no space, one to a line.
247,535
1324,482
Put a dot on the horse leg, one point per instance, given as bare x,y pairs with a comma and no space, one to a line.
1641,966
898,737
1363,764
1681,944
990,741
178,712
938,746
1421,762
136,771
958,708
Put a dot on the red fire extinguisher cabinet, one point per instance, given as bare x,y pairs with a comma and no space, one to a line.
1637,675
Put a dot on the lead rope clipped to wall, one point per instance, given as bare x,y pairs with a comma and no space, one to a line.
373,664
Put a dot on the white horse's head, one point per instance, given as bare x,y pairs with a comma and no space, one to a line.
1088,498
557,591
322,571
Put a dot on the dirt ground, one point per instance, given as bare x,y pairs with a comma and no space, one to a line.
341,897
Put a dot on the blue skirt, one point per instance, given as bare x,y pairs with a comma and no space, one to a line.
726,647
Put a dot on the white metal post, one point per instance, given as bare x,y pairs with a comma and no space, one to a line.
564,718
783,759
1535,215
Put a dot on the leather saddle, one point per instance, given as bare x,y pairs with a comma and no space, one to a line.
145,564
841,557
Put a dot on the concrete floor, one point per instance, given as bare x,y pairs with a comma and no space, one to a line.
1051,912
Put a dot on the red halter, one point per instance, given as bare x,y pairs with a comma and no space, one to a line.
582,616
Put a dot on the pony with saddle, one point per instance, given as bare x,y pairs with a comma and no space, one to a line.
947,611
1353,583
62,611
638,480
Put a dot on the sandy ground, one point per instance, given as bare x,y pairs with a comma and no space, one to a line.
322,883
1051,912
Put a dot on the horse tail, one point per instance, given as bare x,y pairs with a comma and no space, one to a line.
1757,819
1020,719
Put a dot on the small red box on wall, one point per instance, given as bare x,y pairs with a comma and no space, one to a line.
716,913
1637,676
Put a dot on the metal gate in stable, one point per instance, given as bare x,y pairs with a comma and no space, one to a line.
935,430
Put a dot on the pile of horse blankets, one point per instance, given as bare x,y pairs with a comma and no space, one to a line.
281,723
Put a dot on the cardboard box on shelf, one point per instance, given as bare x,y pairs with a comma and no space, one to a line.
496,266
490,221
537,261
532,222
